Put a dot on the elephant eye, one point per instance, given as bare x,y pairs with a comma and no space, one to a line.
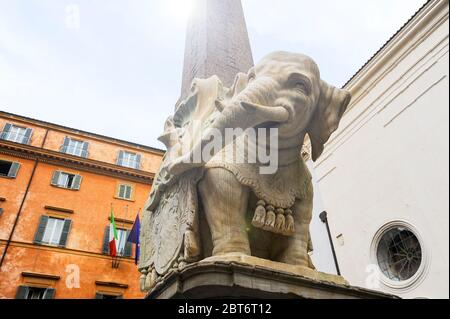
301,86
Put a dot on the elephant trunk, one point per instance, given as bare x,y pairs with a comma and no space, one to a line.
251,107
240,112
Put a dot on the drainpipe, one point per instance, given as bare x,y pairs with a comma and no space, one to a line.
36,162
324,218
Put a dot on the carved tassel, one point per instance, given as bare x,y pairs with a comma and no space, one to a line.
280,222
290,226
270,219
259,218
142,280
151,279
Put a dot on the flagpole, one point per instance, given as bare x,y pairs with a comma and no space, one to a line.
114,259
123,227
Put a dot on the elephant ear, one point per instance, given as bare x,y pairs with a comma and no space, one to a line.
331,106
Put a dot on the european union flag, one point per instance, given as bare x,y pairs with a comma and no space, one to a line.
133,237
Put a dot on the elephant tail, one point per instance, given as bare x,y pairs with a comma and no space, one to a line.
310,249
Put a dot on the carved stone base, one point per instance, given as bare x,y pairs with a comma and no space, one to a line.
229,277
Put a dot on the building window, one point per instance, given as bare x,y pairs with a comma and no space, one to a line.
128,159
66,180
107,296
399,254
16,134
26,292
52,231
124,248
9,169
122,235
36,293
125,191
75,147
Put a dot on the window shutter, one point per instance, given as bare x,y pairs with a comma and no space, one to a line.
41,229
77,182
122,191
106,241
49,293
120,158
22,292
65,233
85,153
13,170
98,295
138,161
6,130
26,138
55,178
128,251
118,188
65,145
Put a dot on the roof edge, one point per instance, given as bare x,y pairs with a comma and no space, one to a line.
81,132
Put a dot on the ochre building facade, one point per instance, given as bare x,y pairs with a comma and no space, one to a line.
58,186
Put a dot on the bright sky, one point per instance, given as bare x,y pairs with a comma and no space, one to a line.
114,67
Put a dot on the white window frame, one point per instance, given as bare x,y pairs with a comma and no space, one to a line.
129,160
16,134
125,187
75,147
411,283
53,231
64,178
121,240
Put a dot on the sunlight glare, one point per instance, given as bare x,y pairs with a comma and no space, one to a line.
179,11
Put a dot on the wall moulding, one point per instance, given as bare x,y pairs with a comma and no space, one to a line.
73,162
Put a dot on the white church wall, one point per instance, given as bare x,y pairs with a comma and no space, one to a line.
322,255
388,162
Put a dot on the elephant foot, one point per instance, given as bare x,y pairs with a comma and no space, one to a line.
302,261
295,254
237,247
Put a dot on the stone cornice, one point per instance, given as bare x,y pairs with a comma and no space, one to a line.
39,275
111,284
72,131
417,30
433,14
70,251
66,160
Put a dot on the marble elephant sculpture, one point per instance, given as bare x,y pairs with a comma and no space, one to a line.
284,90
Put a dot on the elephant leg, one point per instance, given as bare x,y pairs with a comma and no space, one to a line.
295,250
225,203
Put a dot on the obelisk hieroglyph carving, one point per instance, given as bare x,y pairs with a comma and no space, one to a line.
217,43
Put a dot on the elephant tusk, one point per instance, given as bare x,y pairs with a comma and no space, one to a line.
267,113
219,105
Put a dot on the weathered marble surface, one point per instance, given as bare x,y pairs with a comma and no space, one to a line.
217,43
237,280
221,208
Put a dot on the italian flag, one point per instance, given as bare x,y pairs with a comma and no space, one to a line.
113,238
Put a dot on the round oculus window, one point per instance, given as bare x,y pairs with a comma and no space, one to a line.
399,254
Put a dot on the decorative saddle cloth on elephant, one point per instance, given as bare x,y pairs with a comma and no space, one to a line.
291,181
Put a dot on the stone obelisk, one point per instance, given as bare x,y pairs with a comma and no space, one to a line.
176,267
217,43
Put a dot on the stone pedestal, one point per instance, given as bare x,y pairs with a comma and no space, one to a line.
250,277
